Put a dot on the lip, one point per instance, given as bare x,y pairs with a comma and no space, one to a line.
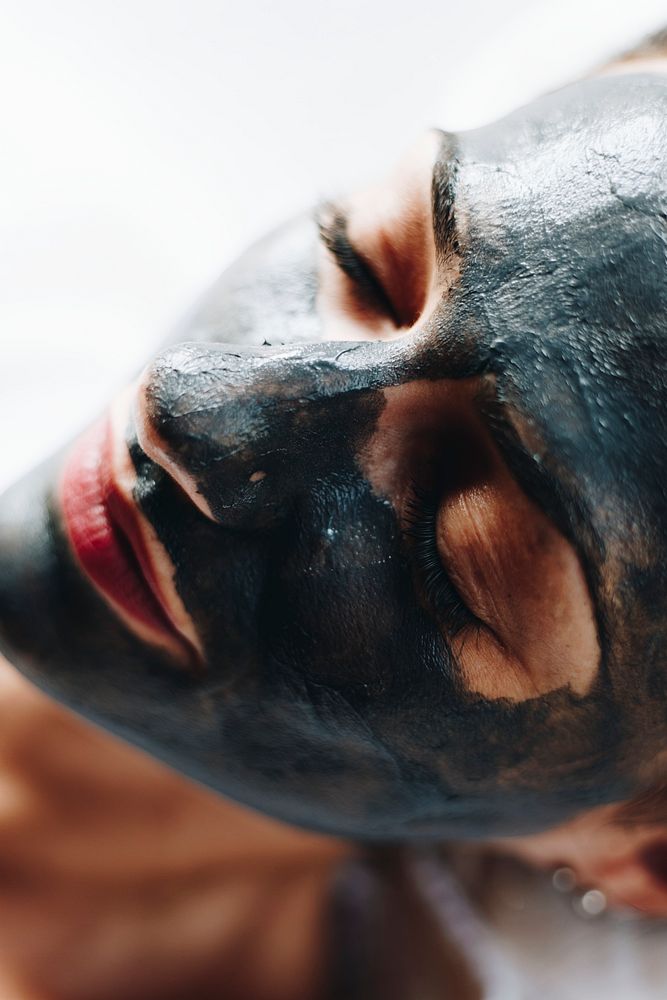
108,538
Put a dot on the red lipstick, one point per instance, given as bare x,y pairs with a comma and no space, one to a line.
103,529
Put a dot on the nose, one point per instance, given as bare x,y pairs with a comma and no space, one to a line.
244,432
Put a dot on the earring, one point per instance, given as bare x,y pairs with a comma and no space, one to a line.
587,903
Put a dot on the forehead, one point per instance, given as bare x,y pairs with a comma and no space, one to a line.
562,207
561,213
603,138
572,191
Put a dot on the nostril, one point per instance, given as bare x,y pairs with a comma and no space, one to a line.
242,432
148,427
211,420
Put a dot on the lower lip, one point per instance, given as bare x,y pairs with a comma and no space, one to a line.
104,535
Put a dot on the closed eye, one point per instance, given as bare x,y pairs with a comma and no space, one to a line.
420,520
501,582
333,232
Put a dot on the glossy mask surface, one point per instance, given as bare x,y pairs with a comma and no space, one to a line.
358,658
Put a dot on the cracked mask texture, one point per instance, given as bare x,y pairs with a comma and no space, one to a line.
329,695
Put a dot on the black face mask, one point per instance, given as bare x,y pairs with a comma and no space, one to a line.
329,693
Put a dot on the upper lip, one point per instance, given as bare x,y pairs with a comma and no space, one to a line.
116,545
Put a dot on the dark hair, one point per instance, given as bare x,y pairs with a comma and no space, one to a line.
654,45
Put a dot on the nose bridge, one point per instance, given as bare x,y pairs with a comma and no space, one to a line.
244,430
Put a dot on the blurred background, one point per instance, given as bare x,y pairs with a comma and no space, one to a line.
145,142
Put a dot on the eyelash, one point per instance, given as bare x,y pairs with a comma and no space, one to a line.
441,594
333,236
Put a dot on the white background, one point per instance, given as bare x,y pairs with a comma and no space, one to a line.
144,142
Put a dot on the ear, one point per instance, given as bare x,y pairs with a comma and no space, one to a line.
647,56
619,849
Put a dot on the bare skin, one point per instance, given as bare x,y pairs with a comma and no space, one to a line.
120,878
620,850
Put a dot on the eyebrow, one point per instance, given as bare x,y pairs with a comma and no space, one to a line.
443,197
531,473
333,226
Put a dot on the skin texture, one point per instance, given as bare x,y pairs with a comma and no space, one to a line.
339,686
121,878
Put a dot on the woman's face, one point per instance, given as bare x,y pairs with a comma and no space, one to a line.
380,548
